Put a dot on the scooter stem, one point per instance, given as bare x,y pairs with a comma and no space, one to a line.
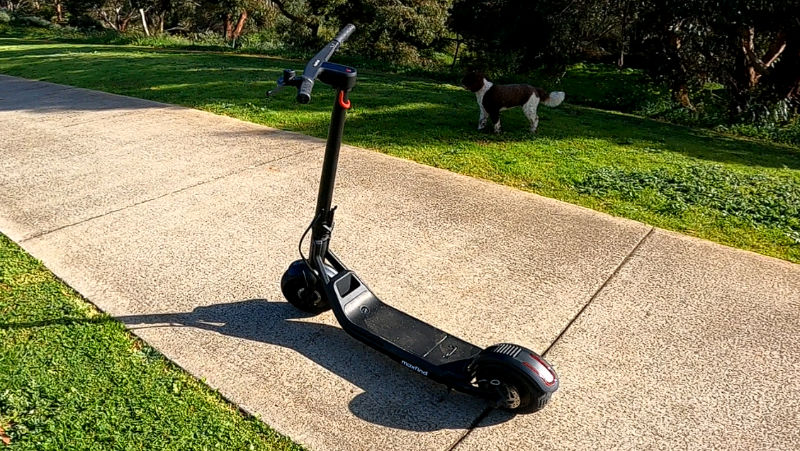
323,225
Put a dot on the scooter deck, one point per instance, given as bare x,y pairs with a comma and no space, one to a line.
416,344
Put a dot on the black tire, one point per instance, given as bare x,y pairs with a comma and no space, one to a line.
507,385
507,389
301,287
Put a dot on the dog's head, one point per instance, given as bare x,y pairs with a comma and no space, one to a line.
473,81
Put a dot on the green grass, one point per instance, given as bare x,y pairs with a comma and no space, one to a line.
73,378
433,122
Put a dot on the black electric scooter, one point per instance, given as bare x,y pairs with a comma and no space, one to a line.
510,376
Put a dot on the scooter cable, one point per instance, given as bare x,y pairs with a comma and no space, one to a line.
302,238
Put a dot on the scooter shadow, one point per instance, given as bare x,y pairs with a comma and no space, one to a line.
430,408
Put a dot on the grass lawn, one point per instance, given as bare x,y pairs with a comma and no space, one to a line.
73,378
740,192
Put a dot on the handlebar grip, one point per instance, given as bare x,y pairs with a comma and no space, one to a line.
304,91
314,65
345,33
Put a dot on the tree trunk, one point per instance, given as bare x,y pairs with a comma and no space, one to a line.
681,94
144,22
622,23
748,47
757,67
455,55
775,50
59,12
228,31
680,78
123,25
111,23
240,25
785,79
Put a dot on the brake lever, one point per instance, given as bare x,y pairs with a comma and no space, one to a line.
286,80
280,88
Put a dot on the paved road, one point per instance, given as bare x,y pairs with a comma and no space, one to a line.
180,223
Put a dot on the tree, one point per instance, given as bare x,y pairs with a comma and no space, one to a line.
399,30
747,45
308,17
514,35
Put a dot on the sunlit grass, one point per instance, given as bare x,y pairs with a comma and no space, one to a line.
434,123
74,378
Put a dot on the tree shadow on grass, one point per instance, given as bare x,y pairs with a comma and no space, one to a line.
389,110
624,130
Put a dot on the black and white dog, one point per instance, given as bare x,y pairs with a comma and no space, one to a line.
492,99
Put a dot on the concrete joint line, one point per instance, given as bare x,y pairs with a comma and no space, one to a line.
599,290
179,190
472,427
624,261
89,121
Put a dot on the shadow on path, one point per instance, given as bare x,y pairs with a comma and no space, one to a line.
272,322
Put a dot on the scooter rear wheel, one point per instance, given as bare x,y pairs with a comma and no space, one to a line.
301,287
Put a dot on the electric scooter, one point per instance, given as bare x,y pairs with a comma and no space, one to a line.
508,375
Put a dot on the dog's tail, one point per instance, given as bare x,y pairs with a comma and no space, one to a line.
554,99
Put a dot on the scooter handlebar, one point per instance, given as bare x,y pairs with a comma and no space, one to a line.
314,65
345,33
304,91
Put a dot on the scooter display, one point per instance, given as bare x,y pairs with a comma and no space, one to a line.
508,375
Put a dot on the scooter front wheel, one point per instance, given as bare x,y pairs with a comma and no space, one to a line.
302,288
505,375
507,390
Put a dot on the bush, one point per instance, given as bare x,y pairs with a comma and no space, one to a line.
209,38
32,21
789,134
5,17
161,41
608,87
86,22
758,200
45,12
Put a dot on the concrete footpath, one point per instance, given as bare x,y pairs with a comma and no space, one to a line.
180,223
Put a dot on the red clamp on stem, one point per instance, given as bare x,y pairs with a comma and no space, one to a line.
342,103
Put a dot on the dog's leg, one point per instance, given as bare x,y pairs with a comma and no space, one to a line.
530,108
495,117
482,119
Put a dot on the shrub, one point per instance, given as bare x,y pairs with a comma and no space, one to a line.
758,200
4,16
161,41
605,86
789,134
32,21
262,41
86,22
45,11
209,38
